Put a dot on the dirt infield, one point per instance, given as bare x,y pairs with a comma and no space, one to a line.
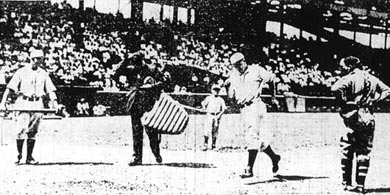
90,156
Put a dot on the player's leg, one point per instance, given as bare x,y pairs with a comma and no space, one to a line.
21,123
154,140
207,131
275,158
214,132
265,135
363,151
137,129
250,119
347,150
34,123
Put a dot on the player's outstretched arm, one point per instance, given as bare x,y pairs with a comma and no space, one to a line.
4,98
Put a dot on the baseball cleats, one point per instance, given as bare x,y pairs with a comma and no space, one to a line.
31,161
18,161
348,187
204,148
135,162
275,164
358,189
159,159
247,173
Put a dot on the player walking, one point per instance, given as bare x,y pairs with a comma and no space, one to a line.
30,83
246,84
357,93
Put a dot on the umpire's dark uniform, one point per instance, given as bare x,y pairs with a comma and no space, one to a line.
358,91
145,88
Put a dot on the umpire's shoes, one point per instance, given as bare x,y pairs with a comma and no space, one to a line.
18,161
275,164
348,187
159,159
247,173
31,161
135,162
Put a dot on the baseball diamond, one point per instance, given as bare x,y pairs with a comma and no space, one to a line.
91,159
194,97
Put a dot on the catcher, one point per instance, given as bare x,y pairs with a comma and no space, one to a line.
357,92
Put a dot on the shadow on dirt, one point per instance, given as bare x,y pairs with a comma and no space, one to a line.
184,165
284,178
378,190
72,163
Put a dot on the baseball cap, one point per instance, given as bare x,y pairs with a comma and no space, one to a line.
351,61
36,53
236,57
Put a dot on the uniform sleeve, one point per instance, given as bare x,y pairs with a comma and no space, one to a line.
205,102
383,89
340,85
265,75
223,105
49,86
15,81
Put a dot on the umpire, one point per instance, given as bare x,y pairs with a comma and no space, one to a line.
357,93
146,84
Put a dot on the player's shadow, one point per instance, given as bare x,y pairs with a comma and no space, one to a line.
184,165
72,163
378,190
285,178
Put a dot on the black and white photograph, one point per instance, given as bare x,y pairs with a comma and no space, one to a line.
194,97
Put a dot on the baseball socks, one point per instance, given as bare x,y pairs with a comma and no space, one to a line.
213,143
274,157
206,141
19,145
30,148
248,172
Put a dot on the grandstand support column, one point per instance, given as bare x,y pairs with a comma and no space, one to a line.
162,11
386,35
370,40
355,25
281,10
175,10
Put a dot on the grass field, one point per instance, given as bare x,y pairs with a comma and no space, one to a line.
90,156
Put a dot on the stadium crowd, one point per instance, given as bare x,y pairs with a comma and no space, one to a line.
83,47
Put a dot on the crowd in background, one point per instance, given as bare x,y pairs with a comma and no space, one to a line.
83,47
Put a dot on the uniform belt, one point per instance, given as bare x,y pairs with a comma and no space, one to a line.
31,99
213,113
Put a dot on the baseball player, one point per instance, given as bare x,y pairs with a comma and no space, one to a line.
215,107
147,82
245,85
30,83
357,92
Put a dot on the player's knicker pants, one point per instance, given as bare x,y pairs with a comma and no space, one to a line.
257,137
211,125
27,124
358,142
